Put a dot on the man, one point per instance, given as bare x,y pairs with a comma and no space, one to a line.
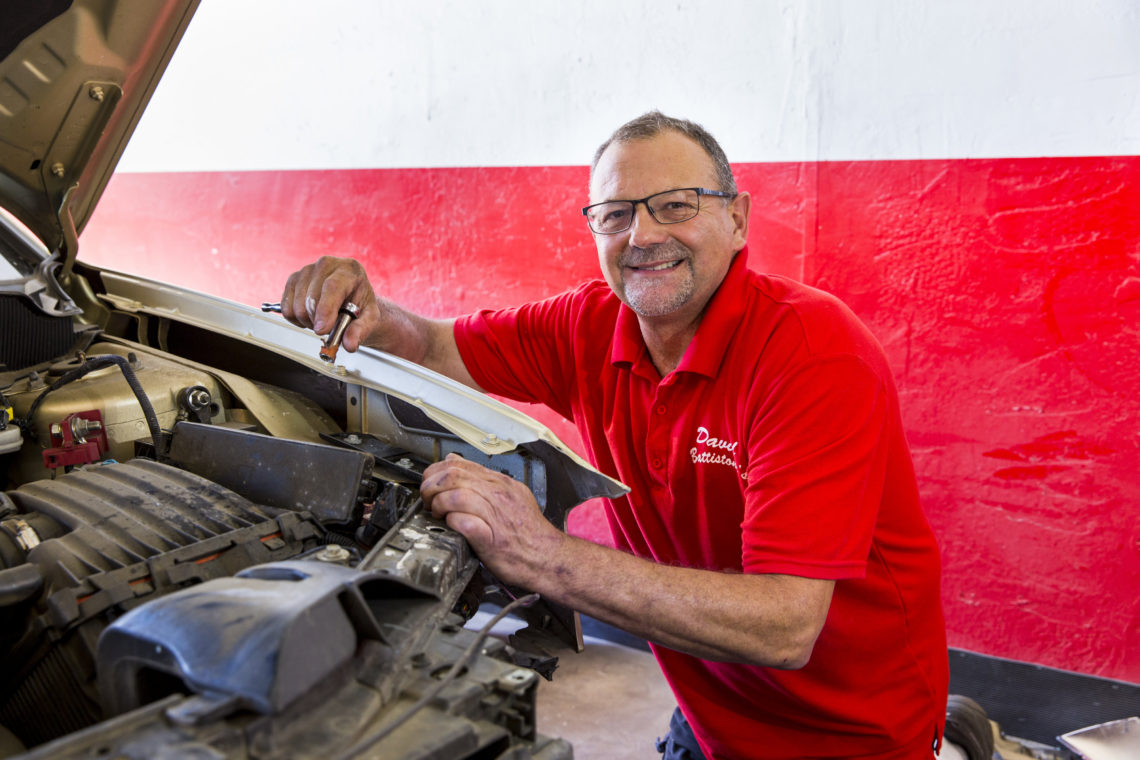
773,550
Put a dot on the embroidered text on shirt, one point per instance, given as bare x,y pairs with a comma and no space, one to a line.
706,440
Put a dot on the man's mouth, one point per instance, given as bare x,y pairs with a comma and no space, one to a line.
655,267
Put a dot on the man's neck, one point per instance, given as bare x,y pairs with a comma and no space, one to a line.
668,342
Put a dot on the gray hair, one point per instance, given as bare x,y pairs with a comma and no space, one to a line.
654,123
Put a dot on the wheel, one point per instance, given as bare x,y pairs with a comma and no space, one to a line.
968,727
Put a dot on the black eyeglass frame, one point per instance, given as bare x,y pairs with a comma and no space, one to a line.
698,190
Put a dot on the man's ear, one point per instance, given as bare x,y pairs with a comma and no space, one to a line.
740,207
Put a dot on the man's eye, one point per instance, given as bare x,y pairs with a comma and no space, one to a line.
614,215
672,211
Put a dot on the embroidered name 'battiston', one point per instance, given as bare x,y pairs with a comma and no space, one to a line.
710,450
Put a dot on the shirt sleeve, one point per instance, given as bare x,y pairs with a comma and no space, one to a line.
524,353
817,460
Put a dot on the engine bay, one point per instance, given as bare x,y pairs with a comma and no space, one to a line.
209,548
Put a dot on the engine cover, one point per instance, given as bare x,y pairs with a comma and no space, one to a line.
84,548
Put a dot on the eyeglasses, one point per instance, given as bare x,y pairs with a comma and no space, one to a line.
669,207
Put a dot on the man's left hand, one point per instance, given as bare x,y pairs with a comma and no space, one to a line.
495,513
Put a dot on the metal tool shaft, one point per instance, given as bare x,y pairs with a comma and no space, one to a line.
348,313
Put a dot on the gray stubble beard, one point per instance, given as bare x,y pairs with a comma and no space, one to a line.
648,304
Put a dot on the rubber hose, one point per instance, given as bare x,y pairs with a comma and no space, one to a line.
91,365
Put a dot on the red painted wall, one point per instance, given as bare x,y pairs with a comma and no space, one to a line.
1006,292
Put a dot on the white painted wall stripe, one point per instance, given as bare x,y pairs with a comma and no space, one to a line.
389,84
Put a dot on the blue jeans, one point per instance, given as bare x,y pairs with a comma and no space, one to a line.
679,743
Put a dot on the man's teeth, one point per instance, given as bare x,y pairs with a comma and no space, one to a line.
660,267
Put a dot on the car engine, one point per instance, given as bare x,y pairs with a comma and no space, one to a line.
210,548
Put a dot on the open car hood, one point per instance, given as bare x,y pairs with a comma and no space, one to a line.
75,76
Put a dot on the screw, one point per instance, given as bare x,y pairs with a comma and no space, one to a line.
352,438
96,93
58,170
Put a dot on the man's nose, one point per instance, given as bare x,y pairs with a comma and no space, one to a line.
645,230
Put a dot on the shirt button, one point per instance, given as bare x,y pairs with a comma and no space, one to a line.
661,409
657,463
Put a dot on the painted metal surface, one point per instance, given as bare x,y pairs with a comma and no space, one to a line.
1117,740
71,93
483,423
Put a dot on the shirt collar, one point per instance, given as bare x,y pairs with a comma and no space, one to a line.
706,352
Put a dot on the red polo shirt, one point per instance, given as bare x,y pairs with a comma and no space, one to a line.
776,446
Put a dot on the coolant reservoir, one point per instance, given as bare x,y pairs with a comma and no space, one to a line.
106,391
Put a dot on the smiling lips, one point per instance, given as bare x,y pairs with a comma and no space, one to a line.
661,267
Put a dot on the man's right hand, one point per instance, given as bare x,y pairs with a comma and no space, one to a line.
314,294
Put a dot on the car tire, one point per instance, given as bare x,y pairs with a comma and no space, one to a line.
968,726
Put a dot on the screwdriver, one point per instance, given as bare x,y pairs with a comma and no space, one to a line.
347,313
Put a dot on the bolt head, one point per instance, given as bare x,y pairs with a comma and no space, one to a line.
333,553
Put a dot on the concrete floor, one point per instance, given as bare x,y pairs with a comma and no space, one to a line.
609,701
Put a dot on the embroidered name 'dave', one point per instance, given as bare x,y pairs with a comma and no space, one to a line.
710,450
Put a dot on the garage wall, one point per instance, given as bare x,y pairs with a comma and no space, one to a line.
964,174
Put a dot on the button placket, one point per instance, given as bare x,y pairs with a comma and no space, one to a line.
658,439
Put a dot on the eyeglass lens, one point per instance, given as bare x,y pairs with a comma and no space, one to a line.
669,207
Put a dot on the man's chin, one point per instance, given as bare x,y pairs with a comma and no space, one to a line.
655,302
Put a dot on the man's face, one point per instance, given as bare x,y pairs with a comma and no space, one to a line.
666,273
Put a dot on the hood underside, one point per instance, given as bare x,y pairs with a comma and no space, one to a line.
74,80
